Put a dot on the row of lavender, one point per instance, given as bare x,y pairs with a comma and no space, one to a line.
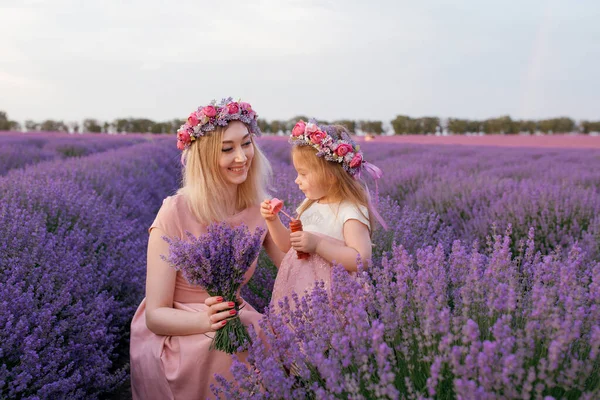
452,310
18,149
72,267
555,191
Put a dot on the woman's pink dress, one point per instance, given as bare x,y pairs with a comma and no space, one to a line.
182,367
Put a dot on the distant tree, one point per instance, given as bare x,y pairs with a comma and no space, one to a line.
349,124
405,125
459,126
564,125
429,124
557,125
363,126
31,125
106,127
157,128
175,125
74,126
14,126
502,124
3,121
161,127
263,125
374,127
526,126
277,126
91,125
290,123
6,124
48,126
121,125
53,126
590,126
402,125
143,125
546,125
474,126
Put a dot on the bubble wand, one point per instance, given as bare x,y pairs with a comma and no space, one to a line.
276,206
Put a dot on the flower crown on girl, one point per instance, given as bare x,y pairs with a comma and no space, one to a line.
337,147
333,146
207,118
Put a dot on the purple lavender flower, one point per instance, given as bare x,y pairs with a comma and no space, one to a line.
218,261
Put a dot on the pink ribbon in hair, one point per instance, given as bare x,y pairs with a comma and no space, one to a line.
372,170
375,173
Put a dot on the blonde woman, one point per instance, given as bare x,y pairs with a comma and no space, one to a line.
224,179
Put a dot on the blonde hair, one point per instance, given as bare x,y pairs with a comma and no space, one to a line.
341,185
204,186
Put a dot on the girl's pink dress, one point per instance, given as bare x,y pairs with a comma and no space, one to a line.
300,276
182,367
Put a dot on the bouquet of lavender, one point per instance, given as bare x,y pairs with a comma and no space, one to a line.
218,261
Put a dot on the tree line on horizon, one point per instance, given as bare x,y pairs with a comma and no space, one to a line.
401,125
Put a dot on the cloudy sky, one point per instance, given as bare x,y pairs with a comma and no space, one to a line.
329,59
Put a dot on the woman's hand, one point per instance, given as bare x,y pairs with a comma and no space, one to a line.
304,241
266,212
218,312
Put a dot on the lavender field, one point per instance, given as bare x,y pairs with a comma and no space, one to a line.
486,286
19,150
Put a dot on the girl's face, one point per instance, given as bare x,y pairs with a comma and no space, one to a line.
308,180
237,152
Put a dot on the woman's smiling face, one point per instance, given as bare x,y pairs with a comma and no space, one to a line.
237,152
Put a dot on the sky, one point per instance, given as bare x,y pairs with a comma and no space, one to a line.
330,59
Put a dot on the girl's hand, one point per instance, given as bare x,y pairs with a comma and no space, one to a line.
218,312
265,211
304,241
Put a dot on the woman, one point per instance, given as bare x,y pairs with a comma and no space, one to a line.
224,179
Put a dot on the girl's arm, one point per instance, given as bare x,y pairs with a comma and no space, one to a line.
161,317
356,236
278,232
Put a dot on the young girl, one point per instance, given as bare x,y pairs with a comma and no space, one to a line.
224,178
336,215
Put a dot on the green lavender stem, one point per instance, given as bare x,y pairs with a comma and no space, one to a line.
231,338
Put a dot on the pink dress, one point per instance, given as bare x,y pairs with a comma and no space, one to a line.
300,276
182,367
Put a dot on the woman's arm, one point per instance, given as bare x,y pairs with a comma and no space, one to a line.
161,317
356,236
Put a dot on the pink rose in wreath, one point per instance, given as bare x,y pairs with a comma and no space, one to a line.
343,149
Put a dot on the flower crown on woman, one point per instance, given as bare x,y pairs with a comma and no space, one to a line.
207,118
333,146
